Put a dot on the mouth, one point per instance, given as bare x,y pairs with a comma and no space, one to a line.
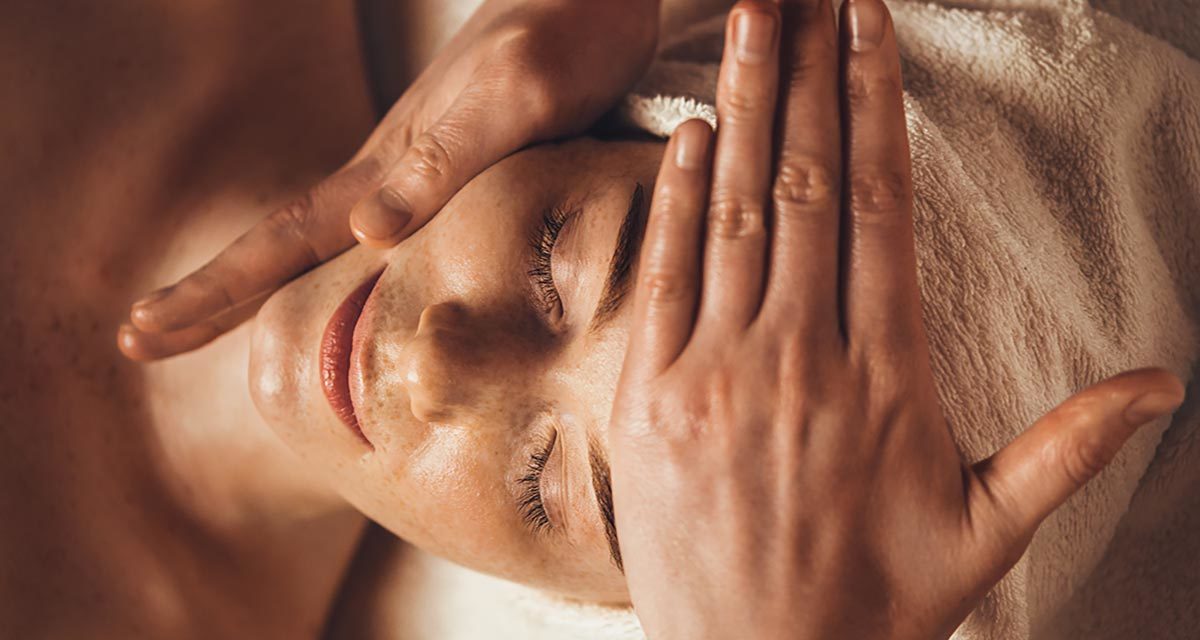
337,349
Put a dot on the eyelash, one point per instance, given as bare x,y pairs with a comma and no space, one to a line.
533,510
542,243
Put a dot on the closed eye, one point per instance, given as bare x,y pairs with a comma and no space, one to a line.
541,245
533,508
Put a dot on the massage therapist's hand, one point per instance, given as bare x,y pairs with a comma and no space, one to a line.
519,72
781,467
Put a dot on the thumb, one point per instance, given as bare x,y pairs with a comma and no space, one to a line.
1026,481
471,136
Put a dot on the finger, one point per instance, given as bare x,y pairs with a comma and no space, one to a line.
669,268
881,296
290,241
1023,483
146,346
802,286
734,258
475,133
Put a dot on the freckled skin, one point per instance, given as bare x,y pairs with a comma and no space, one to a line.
460,378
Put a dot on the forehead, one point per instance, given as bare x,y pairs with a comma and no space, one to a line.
575,168
588,379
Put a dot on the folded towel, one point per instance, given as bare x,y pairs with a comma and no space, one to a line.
1056,150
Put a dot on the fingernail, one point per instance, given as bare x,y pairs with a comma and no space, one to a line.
1152,405
691,146
754,36
866,24
383,215
127,338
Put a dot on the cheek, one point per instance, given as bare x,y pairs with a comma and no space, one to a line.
447,495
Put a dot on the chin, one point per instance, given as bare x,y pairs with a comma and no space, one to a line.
277,363
284,378
285,373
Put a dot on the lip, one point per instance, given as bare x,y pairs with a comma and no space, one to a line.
337,349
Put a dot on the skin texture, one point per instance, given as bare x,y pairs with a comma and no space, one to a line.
463,373
777,394
153,502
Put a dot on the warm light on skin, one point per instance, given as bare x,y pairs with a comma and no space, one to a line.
461,380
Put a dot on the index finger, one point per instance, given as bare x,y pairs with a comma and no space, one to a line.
290,241
668,282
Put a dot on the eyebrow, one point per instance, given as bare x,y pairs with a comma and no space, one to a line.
602,485
620,267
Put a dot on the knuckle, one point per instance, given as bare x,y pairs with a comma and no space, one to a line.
798,353
735,218
541,95
890,396
515,40
882,373
430,156
513,44
802,184
669,202
679,421
294,221
867,87
877,192
675,203
740,103
885,343
718,391
530,71
662,286
389,145
296,214
1083,458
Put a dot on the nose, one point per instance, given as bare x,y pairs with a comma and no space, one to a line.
444,366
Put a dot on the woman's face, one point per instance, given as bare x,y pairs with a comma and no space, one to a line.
465,408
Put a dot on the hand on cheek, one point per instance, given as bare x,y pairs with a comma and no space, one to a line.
781,467
515,74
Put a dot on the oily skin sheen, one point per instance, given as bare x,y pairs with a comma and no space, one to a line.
465,375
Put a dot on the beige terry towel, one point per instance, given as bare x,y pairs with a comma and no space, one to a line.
1057,165
1057,160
